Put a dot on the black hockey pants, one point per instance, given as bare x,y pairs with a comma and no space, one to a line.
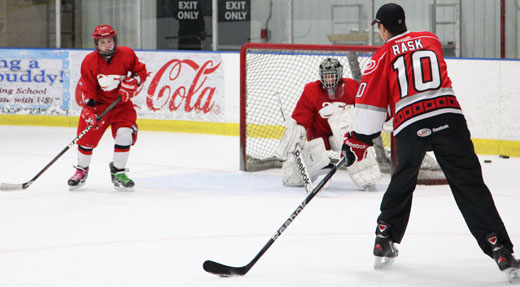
456,156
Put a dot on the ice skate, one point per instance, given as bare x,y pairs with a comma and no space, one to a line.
120,179
505,261
385,251
78,179
513,275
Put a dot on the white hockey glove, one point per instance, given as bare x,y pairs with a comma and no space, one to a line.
294,135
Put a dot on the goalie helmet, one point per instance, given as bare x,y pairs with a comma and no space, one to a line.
331,72
105,31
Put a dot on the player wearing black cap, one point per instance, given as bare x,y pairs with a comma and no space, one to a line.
407,79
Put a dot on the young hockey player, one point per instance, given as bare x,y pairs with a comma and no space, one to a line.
322,116
106,74
408,80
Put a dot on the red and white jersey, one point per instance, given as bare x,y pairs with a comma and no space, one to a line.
406,79
100,80
315,107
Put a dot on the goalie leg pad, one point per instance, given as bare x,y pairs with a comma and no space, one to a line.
365,173
314,158
295,135
291,173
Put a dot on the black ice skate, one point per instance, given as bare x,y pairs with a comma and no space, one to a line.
504,259
78,179
120,179
385,251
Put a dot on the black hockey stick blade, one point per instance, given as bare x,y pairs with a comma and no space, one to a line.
228,271
224,270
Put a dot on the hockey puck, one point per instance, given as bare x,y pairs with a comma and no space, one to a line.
487,161
503,156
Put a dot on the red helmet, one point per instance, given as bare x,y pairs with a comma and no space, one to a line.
103,31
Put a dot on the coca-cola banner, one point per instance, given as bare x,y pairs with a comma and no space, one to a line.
180,86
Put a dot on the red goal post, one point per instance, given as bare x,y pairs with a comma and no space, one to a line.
272,78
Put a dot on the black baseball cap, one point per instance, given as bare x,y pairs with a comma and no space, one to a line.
389,14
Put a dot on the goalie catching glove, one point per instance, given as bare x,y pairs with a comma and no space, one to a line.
353,149
127,89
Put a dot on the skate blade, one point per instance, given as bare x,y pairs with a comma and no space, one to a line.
383,262
513,275
125,189
75,187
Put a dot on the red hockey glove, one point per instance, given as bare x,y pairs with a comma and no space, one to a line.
127,89
353,149
89,115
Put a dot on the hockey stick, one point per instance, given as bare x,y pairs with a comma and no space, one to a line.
299,158
20,186
226,271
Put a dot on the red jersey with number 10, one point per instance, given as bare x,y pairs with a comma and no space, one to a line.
406,79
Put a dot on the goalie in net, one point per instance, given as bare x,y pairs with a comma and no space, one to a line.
322,116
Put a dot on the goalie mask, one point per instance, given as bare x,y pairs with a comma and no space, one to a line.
331,72
102,32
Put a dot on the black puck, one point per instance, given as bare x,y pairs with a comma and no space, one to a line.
487,161
503,156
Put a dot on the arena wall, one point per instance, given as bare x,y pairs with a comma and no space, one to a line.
198,92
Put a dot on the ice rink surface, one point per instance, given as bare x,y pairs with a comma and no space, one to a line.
192,203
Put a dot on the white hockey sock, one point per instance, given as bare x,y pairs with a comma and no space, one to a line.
123,141
120,159
83,159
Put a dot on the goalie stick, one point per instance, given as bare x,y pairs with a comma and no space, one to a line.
298,156
226,271
20,186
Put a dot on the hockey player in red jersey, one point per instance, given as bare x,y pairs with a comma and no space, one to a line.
322,115
407,79
106,74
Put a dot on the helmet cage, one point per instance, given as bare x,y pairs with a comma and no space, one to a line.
331,72
108,53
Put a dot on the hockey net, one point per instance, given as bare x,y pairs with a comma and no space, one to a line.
272,78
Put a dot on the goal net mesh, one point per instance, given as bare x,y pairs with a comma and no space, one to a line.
273,77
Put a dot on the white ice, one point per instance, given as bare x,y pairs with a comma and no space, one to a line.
192,203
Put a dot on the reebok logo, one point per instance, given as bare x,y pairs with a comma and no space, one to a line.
301,167
440,128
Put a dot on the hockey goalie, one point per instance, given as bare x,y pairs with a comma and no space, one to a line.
318,124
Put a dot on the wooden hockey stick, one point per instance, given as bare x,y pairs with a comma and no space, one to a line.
25,185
